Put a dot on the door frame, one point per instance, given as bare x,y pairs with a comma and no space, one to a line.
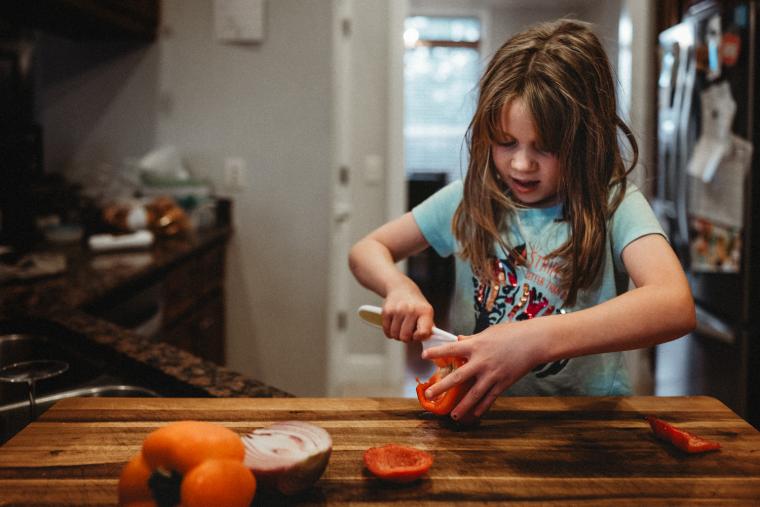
379,373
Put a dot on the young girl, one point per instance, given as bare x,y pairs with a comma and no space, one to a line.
546,233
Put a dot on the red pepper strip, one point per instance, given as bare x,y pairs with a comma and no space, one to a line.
680,438
446,401
397,463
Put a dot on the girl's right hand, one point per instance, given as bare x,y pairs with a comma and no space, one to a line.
407,315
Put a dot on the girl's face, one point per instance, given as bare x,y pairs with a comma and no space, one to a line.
531,173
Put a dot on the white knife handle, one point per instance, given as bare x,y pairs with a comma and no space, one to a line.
373,315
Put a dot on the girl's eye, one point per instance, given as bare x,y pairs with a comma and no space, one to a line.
507,144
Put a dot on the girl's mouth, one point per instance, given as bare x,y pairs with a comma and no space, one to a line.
524,186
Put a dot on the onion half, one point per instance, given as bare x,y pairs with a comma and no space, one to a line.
287,456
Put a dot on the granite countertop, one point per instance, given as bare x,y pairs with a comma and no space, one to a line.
90,278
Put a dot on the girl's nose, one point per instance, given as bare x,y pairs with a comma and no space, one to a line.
522,160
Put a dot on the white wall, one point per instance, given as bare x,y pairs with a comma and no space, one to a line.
269,103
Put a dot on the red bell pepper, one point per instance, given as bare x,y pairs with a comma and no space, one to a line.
444,402
397,463
684,440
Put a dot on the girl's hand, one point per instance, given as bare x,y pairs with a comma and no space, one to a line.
497,358
407,315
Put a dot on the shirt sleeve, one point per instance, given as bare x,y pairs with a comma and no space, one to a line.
633,219
434,217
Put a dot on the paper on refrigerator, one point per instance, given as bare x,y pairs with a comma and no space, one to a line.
714,248
721,199
715,140
717,212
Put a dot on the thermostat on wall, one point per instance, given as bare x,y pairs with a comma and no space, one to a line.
239,21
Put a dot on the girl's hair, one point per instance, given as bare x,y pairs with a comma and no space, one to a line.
561,73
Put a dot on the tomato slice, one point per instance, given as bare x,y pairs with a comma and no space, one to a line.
684,440
397,463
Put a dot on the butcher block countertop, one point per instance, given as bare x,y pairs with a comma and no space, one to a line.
526,450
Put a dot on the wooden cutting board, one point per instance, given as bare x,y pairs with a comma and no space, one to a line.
565,450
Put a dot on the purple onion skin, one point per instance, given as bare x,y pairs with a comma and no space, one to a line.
301,475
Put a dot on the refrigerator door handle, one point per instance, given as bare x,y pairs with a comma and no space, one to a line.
688,77
712,327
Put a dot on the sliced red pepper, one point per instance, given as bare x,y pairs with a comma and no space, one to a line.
682,439
397,463
446,401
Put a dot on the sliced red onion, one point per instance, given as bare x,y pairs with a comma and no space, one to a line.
287,456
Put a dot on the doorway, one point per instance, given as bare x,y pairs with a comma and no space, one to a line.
441,71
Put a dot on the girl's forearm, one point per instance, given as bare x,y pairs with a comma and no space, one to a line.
375,268
640,318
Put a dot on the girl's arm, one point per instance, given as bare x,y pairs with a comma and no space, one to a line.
659,309
407,315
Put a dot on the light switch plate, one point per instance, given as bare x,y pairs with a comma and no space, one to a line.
235,177
373,169
239,21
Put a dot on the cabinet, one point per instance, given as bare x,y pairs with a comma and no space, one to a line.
86,19
193,298
181,303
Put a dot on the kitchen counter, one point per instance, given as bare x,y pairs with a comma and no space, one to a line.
91,279
527,450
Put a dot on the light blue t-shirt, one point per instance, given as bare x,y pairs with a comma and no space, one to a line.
532,290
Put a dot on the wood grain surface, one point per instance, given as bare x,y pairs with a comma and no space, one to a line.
585,451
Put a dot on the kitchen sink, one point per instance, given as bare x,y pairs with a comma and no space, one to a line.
15,415
111,390
25,347
91,371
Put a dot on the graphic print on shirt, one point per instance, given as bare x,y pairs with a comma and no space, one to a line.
491,300
506,300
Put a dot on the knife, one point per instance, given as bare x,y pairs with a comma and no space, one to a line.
373,315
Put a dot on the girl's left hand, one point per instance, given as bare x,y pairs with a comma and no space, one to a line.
496,357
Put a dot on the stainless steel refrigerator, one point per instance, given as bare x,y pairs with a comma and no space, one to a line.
708,197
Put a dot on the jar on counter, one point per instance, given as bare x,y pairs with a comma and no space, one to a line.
162,215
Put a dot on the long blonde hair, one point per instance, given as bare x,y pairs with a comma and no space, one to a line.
562,74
